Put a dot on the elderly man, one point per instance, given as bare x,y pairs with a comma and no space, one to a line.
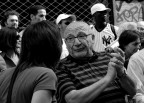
85,76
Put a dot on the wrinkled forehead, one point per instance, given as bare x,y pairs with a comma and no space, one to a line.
75,27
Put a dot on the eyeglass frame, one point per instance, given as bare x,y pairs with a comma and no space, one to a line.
78,37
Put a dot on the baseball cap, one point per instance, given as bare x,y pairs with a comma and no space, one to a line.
99,7
64,16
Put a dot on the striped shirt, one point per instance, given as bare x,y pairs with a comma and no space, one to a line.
103,38
75,75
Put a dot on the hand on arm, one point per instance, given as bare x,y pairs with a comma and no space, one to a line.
88,94
126,82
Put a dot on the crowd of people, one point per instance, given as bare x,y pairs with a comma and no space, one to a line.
70,60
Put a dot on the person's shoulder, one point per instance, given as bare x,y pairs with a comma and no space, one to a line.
138,54
41,69
41,72
6,73
37,71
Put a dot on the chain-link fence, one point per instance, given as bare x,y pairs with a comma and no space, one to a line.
81,8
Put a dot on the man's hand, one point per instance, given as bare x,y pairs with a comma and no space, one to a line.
118,59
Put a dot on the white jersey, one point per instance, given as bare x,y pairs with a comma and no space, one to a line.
103,38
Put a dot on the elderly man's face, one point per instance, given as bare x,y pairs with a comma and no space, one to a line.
79,39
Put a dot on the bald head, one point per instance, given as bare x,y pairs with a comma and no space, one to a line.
76,27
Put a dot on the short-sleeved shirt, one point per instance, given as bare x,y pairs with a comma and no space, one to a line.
27,82
74,75
136,69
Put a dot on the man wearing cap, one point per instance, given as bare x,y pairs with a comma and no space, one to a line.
103,30
86,76
63,20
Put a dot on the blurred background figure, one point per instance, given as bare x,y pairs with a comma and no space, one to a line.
140,27
33,80
37,13
63,20
10,19
129,42
8,46
122,27
127,26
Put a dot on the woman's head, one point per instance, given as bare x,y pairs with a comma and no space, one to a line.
129,42
41,45
8,39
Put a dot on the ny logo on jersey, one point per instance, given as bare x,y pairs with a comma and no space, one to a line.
106,40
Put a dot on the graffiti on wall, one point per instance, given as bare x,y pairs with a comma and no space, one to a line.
127,12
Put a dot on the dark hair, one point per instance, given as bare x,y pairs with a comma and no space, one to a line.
41,46
126,37
34,9
7,14
8,39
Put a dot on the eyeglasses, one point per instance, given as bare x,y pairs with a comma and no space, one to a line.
80,37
